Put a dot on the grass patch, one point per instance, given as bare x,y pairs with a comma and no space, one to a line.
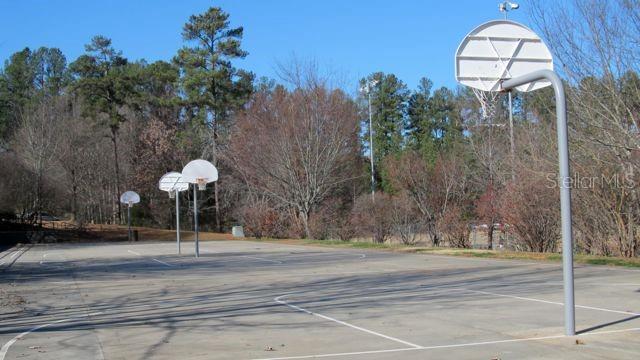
554,257
612,261
115,232
350,244
487,254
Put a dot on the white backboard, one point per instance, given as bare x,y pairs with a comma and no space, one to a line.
172,181
500,50
130,197
199,169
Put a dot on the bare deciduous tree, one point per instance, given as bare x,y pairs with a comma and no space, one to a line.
432,188
597,45
297,146
36,143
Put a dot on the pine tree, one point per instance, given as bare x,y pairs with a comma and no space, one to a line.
211,85
420,124
389,104
433,122
106,82
16,88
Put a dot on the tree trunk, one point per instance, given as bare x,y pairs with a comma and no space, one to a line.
214,158
38,202
74,196
490,237
435,238
305,222
630,232
215,198
114,139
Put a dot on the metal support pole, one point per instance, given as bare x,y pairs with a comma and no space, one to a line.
511,143
195,217
565,187
178,220
373,179
129,221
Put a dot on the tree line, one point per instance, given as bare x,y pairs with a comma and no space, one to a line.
293,153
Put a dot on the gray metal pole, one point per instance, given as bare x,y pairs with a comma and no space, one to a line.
178,220
565,187
511,143
129,221
195,217
373,179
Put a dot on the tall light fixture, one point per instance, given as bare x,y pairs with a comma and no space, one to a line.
505,7
366,89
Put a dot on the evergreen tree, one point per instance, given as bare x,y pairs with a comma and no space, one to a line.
50,71
420,124
434,124
16,88
26,75
211,85
107,83
389,104
158,89
447,127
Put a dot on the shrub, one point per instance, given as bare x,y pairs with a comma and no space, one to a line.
405,219
332,221
371,218
262,220
531,209
454,228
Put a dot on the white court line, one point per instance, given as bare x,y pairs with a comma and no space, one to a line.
281,262
339,354
13,255
327,253
162,262
551,302
485,260
259,258
449,346
154,259
283,302
415,347
5,347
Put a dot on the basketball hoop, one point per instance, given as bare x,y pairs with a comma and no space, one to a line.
497,51
173,183
488,102
202,184
502,55
198,172
130,198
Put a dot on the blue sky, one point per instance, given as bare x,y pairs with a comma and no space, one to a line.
351,39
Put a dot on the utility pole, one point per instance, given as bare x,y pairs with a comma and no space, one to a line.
512,145
504,8
367,89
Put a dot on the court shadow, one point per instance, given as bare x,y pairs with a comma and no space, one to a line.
597,327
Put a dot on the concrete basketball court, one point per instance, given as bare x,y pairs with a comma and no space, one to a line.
258,300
